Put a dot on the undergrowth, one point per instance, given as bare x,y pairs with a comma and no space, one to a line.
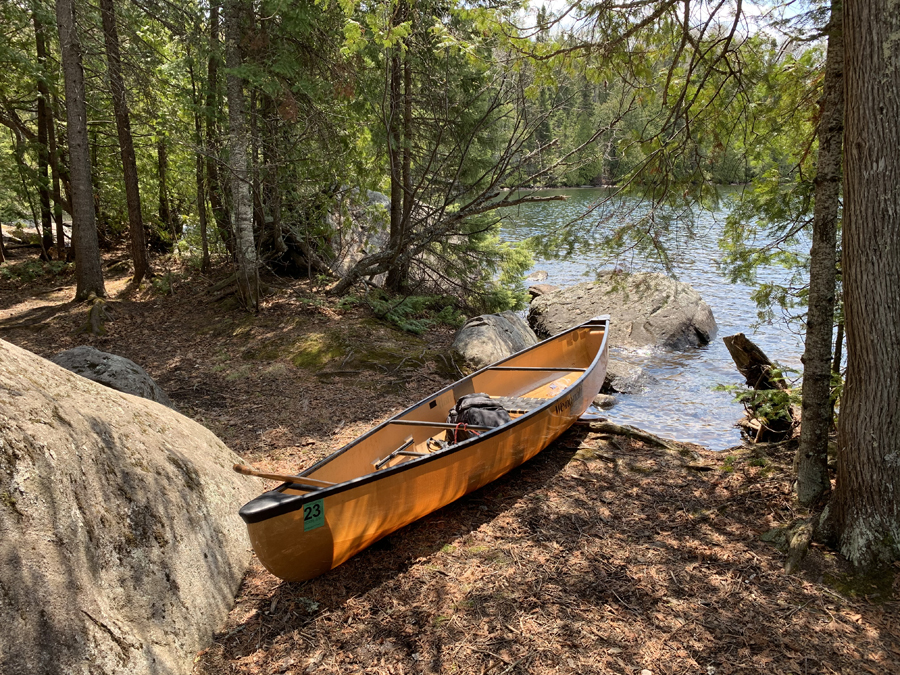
415,313
31,269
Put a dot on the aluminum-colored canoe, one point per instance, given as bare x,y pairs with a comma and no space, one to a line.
354,497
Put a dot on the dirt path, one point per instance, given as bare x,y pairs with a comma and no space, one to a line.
596,557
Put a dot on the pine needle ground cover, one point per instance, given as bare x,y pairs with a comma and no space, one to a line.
602,555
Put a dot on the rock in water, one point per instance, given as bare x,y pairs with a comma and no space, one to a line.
625,378
490,337
647,309
115,372
120,545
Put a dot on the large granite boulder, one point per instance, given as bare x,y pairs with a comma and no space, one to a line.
120,545
647,309
489,338
115,372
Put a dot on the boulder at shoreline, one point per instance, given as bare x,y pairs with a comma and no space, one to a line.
647,309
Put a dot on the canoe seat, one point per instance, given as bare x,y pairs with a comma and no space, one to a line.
518,405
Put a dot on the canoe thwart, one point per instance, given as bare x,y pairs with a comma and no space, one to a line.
402,450
437,425
553,369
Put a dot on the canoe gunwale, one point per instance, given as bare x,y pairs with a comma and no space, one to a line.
276,503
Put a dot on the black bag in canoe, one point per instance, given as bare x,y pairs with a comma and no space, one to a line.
477,410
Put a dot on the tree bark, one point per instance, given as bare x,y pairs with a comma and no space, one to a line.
398,155
217,201
57,192
201,183
43,106
865,510
88,271
817,411
162,176
241,206
139,255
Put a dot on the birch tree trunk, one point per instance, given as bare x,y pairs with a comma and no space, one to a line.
241,206
866,506
88,271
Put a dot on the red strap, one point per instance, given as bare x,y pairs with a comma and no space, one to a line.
464,427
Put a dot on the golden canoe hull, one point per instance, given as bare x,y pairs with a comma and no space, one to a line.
300,531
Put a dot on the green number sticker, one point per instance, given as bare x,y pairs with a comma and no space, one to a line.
313,515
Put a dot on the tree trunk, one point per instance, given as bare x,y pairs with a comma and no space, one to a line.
55,170
865,510
43,105
139,254
88,271
397,154
242,209
217,201
201,183
162,176
259,216
817,411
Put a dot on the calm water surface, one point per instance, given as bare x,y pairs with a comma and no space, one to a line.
683,405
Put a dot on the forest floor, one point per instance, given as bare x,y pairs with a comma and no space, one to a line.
601,555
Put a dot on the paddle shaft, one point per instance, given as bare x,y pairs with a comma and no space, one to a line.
250,471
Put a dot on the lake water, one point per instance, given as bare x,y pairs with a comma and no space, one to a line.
684,405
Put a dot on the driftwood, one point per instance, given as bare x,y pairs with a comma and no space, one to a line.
761,374
752,363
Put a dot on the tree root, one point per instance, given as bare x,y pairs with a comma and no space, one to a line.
99,313
793,539
799,536
227,281
678,451
224,293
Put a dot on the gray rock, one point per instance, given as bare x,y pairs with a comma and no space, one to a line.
605,401
120,545
489,338
115,372
626,378
537,275
541,289
647,309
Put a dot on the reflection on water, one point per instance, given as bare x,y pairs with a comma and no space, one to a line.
683,405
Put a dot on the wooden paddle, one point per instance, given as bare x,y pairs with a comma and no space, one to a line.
250,471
